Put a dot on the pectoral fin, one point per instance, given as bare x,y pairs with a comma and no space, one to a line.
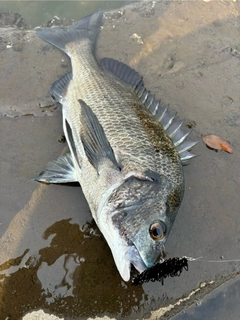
59,171
94,140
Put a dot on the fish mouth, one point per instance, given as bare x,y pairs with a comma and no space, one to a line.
126,256
132,257
135,259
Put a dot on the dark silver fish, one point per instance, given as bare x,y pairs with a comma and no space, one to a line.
126,150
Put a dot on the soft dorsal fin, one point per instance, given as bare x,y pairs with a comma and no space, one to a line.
172,126
122,71
94,140
58,88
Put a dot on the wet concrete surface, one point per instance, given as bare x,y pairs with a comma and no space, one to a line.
221,303
52,255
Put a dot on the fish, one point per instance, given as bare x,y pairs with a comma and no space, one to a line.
126,150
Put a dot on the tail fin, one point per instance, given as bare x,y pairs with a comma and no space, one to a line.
86,28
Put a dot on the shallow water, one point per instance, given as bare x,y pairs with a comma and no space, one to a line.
52,255
36,13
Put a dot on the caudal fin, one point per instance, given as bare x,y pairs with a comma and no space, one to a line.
86,28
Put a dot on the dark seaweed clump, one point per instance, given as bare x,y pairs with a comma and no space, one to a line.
172,267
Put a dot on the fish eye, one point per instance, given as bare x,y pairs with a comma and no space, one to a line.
157,230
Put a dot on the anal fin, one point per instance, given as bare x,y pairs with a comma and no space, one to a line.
58,88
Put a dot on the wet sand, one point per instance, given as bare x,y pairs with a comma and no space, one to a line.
52,256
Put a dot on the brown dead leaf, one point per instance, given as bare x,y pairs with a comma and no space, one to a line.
217,143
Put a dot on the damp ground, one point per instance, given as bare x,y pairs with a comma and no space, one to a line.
52,256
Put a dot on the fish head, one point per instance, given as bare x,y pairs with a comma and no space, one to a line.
143,219
147,234
147,245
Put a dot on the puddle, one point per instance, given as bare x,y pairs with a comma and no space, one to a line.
52,255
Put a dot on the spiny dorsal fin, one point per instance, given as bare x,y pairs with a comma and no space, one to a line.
168,121
94,140
172,126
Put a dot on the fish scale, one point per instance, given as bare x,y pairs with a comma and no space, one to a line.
129,140
126,150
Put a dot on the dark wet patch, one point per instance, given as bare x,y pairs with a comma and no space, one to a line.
84,266
62,138
191,124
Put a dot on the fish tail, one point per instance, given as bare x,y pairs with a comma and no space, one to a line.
86,28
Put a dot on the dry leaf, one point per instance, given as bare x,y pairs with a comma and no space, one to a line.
217,143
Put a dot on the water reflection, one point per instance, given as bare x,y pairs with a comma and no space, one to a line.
69,276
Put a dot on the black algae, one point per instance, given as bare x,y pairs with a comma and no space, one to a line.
172,267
